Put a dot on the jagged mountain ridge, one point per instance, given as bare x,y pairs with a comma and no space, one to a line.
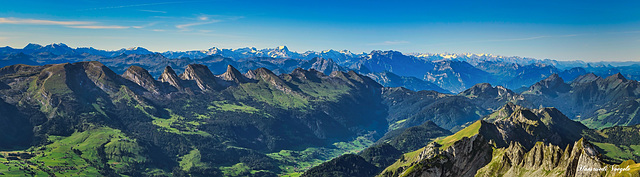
546,91
278,66
99,94
178,115
340,56
389,79
499,148
135,87
490,97
514,141
457,78
595,101
598,102
408,108
157,62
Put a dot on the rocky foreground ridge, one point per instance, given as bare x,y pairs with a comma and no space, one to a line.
515,142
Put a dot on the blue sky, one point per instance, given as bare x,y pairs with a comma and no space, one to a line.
562,30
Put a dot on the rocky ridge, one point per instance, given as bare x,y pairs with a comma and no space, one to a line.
536,140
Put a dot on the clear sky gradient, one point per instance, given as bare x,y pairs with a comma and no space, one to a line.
561,30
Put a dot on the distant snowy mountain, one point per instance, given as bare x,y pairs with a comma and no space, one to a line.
247,52
341,57
56,49
476,59
63,49
451,72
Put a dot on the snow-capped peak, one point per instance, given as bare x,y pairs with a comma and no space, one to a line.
32,46
282,48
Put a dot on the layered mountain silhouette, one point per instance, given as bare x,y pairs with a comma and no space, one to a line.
510,142
270,112
224,115
597,102
451,72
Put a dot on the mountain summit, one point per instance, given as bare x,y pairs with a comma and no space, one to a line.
233,75
526,142
201,75
127,120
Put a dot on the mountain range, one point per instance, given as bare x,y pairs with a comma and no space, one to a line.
231,118
513,141
451,72
386,113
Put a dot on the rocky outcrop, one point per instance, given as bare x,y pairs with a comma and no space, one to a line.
268,77
201,75
455,76
170,76
103,77
616,78
529,126
300,75
551,86
251,74
486,90
600,102
366,81
142,77
618,86
389,79
326,66
430,151
234,76
533,142
463,158
584,156
503,112
489,97
589,77
579,159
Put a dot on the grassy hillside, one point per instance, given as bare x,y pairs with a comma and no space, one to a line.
466,132
95,152
618,144
103,123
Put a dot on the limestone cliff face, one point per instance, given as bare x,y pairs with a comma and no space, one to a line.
170,76
98,73
142,77
602,102
326,66
580,159
310,75
475,156
551,86
527,142
268,77
234,76
204,79
529,126
489,97
463,158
